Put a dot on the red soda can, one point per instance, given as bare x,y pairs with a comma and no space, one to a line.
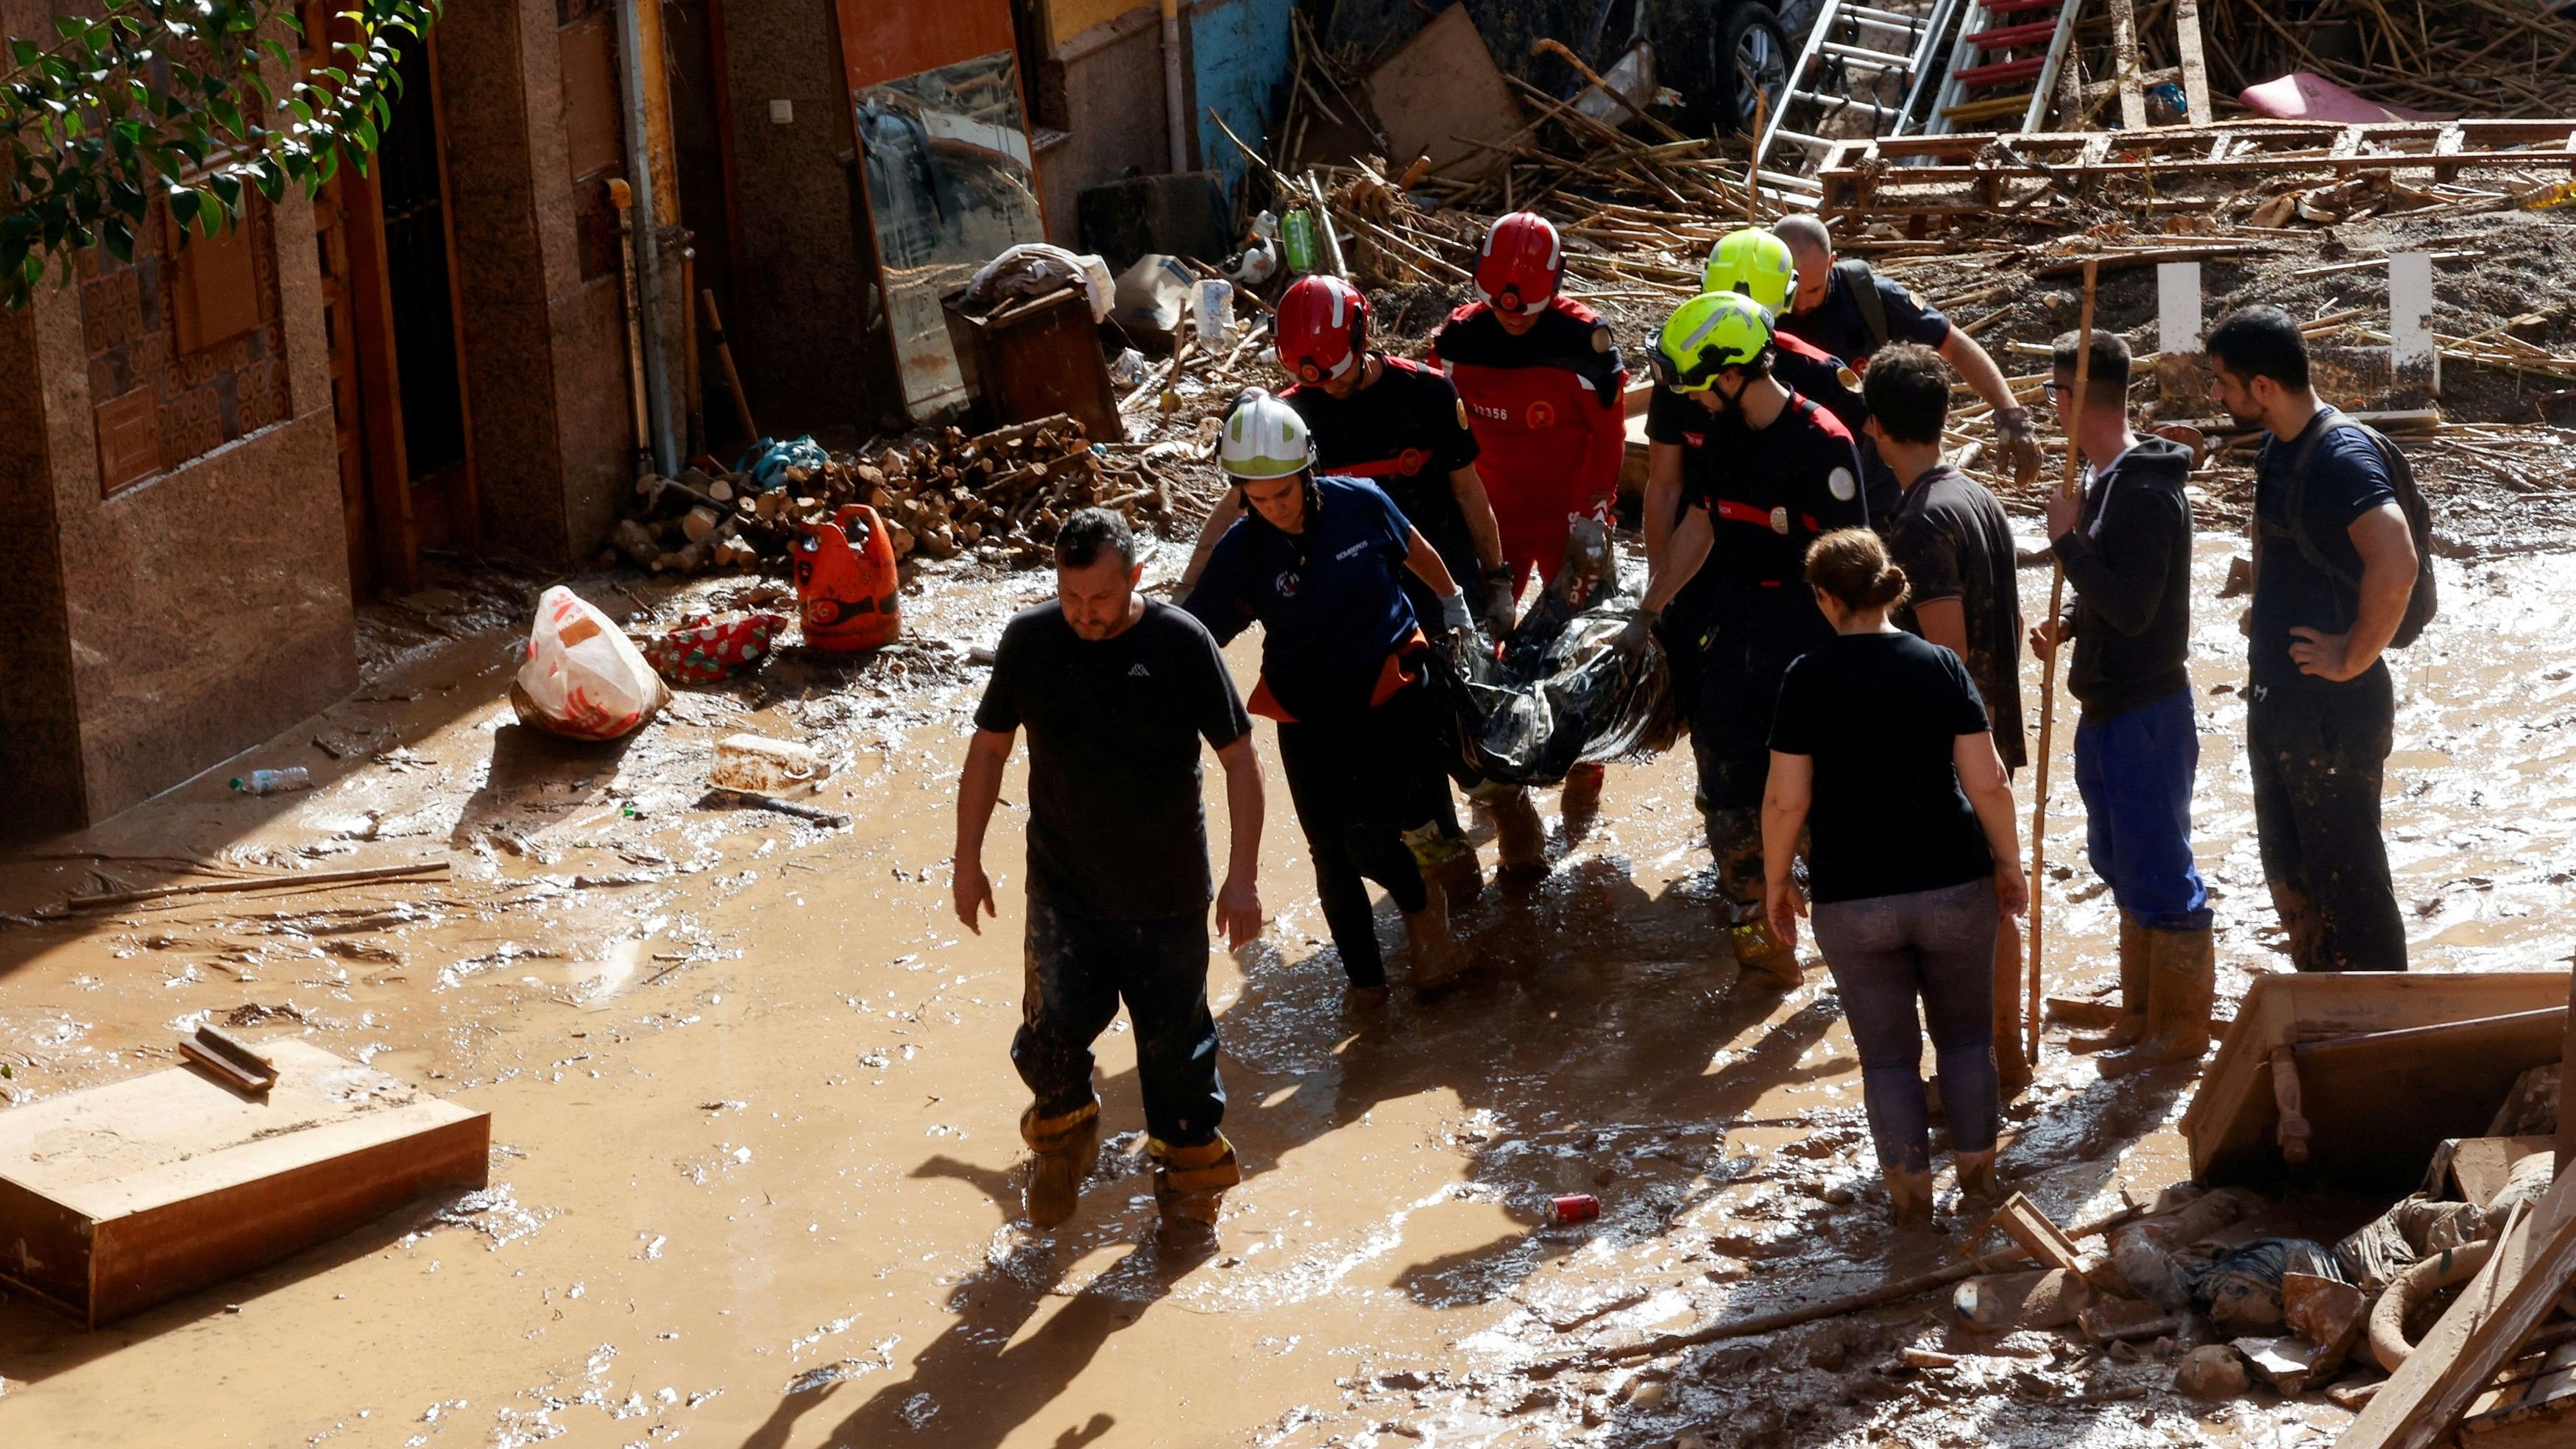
1574,1207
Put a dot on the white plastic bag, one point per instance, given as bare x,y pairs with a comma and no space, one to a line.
583,678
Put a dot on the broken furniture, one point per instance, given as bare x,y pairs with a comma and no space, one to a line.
119,1197
2378,1069
1033,359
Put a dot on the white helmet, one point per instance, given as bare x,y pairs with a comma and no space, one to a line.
1264,438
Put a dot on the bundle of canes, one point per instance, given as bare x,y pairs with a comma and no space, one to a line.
2066,485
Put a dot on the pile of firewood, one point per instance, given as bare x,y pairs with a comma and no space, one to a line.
1000,496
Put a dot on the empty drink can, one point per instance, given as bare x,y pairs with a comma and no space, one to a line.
1574,1207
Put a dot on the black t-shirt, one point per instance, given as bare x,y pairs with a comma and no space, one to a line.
1837,326
1880,715
1769,492
1406,433
1951,538
2346,479
1116,832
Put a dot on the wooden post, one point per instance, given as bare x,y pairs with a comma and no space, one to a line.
2178,319
2195,70
2124,66
724,359
2567,1119
2067,482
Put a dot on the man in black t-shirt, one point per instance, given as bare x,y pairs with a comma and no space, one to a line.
2320,710
1765,475
1116,693
1956,547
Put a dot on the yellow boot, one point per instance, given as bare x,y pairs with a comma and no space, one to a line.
1190,1184
1066,1146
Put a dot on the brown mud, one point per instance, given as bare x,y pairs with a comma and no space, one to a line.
756,1175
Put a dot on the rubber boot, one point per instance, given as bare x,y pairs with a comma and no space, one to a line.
1447,862
1977,1185
2137,993
1189,1186
1909,1196
1580,801
2182,972
1520,841
1769,963
1735,843
1437,957
1066,1146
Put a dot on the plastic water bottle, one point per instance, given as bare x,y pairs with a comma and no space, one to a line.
274,782
1215,309
1297,241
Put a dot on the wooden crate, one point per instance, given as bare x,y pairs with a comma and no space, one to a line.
119,1197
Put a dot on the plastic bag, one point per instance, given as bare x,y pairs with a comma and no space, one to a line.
583,679
768,460
1033,269
1560,692
2241,1287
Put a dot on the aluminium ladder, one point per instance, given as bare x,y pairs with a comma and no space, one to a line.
1984,62
1897,69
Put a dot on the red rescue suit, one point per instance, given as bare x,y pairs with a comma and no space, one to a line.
1550,426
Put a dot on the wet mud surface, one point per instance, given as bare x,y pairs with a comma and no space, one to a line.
755,1175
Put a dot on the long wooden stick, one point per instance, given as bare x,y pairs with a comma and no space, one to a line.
256,883
2048,669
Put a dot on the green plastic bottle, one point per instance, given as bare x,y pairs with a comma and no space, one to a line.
1297,236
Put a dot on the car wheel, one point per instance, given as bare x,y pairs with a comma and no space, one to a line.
1749,56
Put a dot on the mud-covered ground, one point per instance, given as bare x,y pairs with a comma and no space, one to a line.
755,1179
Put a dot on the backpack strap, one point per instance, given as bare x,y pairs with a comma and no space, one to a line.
2296,530
1864,291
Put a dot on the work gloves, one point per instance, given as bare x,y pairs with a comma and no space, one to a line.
1632,639
2020,443
1453,612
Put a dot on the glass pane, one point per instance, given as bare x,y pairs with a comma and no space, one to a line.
949,187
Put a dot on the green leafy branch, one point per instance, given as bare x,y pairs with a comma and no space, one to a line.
165,100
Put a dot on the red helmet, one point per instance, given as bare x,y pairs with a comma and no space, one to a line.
1323,327
1521,263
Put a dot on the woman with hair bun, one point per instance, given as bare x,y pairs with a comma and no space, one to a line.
1880,752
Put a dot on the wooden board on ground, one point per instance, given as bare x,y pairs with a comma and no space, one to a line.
2483,1327
119,1197
2354,1134
2480,1166
1438,87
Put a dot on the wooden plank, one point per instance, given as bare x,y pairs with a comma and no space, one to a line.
2195,69
2124,62
2567,1119
2414,359
2480,1166
2419,1404
118,1197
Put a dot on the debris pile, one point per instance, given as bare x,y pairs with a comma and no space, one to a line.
998,496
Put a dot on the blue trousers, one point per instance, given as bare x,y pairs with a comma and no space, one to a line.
1077,971
2135,772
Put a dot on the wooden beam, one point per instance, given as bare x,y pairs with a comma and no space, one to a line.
2124,62
2195,70
2567,1119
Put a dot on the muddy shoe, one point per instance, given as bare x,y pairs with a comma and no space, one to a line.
1189,1188
1769,963
1066,1146
1520,841
2137,994
1977,1186
2182,971
1447,862
1437,957
1909,1196
1358,1000
1581,800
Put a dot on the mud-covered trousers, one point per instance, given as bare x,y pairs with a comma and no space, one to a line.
1889,952
1735,668
1358,782
2319,757
1078,971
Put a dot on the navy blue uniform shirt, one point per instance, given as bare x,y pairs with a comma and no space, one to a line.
1836,325
1329,600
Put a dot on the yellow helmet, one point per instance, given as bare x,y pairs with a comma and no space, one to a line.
1707,335
1754,262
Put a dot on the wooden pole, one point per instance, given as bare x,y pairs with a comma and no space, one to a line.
2048,671
724,359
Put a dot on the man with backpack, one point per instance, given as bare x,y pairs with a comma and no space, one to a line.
1849,311
2340,575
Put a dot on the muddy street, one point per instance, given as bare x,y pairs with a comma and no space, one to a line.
755,1173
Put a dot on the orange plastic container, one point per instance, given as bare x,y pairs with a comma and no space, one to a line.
847,590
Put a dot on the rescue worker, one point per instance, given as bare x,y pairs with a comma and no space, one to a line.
1116,693
1767,473
1318,562
1851,312
1757,263
1545,394
1399,425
